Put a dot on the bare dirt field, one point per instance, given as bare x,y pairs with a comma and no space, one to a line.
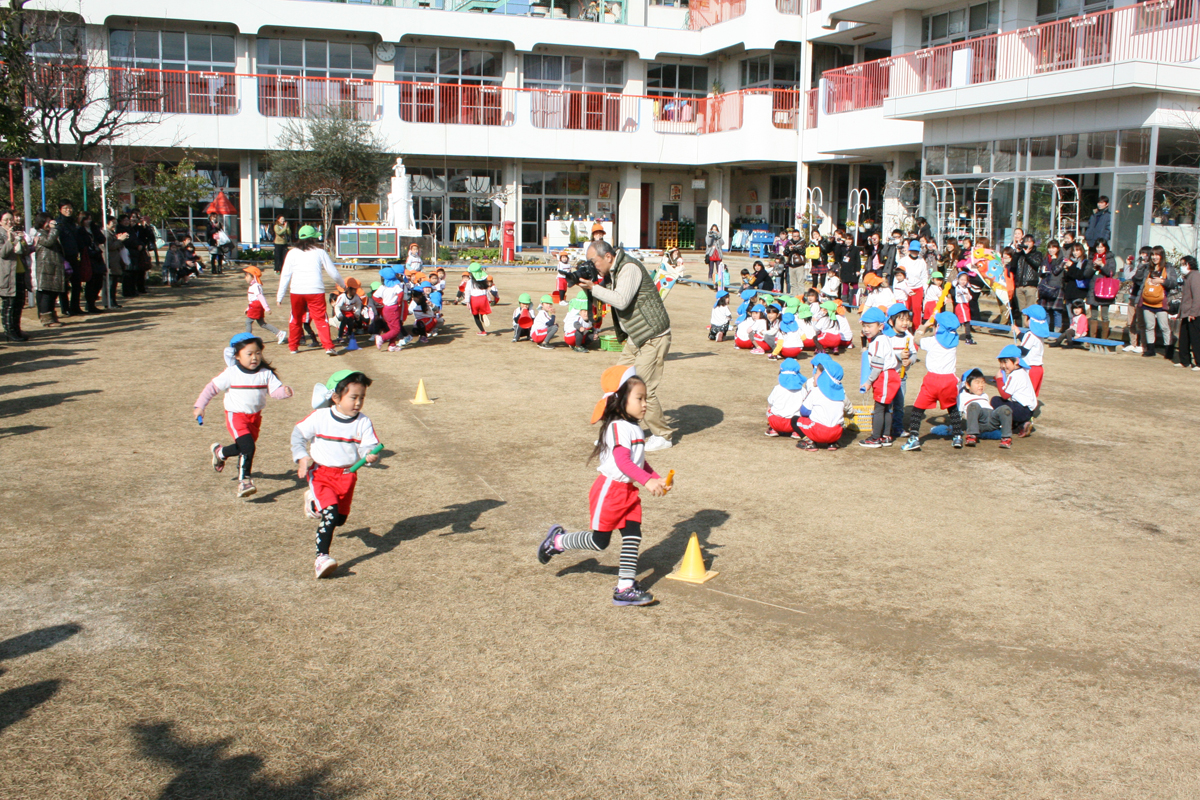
943,624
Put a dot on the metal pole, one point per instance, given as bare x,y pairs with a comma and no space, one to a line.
104,216
12,198
84,171
42,166
25,194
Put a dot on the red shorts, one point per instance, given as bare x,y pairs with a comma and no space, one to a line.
333,486
1035,377
927,309
575,337
539,337
886,386
829,339
810,344
743,344
916,304
780,424
820,434
790,352
255,310
937,390
480,305
426,325
613,503
562,287
239,424
963,312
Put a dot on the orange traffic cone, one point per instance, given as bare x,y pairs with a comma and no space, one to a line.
692,569
422,399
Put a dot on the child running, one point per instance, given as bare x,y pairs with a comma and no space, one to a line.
246,383
785,400
477,297
884,378
256,304
389,297
940,387
614,500
324,445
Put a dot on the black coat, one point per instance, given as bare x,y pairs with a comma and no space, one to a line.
849,263
1077,279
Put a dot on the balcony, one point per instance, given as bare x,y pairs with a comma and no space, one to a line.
1165,32
455,104
172,91
698,115
706,13
587,10
584,111
290,96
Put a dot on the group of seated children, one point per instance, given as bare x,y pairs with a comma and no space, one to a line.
540,326
383,311
782,327
812,410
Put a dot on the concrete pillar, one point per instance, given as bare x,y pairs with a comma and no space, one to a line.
719,192
906,31
248,199
1016,14
629,232
512,211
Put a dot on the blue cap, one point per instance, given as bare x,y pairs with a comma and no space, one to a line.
873,314
387,274
425,285
241,337
787,323
1010,351
748,294
759,308
914,245
789,375
947,319
1034,312
896,308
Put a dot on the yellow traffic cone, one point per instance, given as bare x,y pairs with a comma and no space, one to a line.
422,399
692,569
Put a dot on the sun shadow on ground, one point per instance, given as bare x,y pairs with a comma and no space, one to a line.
22,405
42,638
26,387
15,704
665,555
459,518
690,419
18,430
206,770
270,497
686,356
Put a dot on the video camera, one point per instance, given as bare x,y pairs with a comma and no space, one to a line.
585,271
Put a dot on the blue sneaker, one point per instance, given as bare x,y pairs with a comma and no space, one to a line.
913,443
546,550
957,441
633,596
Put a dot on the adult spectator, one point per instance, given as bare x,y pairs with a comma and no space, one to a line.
117,258
14,271
1018,239
921,229
873,253
217,238
1189,315
893,250
49,275
1137,270
1077,278
1160,280
90,238
282,237
793,256
761,279
1099,224
68,240
1024,272
302,278
849,264
131,259
1050,287
641,322
1104,264
714,243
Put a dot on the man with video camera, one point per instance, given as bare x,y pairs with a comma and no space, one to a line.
642,324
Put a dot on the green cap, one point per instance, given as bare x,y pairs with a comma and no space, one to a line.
525,298
803,311
546,299
936,275
337,378
476,270
581,296
307,232
579,303
829,306
376,286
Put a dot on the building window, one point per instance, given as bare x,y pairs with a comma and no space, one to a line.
449,65
57,43
315,59
1051,10
969,22
188,52
676,80
770,72
783,200
456,206
563,194
573,73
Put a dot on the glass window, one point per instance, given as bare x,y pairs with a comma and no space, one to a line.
1176,148
315,59
968,22
676,80
65,43
970,158
1128,205
571,73
1041,152
1006,157
1086,150
935,160
194,52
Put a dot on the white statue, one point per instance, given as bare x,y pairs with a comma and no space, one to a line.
399,209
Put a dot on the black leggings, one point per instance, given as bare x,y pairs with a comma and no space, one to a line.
918,416
631,541
243,446
45,301
881,419
330,518
478,321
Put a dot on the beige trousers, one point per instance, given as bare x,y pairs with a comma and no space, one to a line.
648,361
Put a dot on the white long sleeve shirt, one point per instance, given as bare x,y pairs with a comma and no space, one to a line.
332,440
302,273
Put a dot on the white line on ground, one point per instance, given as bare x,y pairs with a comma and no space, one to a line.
489,486
752,600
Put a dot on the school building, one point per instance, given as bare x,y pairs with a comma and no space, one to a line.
667,116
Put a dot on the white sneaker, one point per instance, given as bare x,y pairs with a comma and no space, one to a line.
324,566
310,505
282,337
657,443
562,302
1136,350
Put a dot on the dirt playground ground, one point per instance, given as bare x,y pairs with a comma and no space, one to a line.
943,624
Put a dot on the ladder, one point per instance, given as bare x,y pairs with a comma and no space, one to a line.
1066,206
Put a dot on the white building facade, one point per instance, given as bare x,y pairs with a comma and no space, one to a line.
755,113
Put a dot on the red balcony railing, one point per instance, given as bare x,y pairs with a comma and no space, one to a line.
1164,31
785,108
165,91
289,96
698,115
584,111
454,104
57,85
790,6
811,98
814,6
703,13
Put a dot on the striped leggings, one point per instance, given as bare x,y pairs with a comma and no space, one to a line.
631,540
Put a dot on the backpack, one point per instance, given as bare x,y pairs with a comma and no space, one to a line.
1153,294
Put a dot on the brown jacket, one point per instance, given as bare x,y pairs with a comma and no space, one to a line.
1190,305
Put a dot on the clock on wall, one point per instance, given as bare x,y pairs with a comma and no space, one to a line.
385,51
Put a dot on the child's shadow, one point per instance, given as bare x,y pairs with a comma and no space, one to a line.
459,518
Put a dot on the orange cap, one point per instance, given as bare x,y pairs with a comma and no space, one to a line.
253,272
611,381
352,283
872,280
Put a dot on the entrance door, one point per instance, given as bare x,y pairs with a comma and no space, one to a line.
645,237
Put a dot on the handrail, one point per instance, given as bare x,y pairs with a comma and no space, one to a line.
1165,31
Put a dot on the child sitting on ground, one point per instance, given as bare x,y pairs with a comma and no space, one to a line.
543,329
790,342
425,319
576,328
783,404
829,332
878,294
764,339
973,405
718,321
522,317
823,411
884,378
1017,389
744,336
347,309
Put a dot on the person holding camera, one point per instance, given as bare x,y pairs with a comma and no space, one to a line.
1025,270
642,323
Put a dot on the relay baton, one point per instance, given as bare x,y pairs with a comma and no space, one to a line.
669,479
199,419
357,465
